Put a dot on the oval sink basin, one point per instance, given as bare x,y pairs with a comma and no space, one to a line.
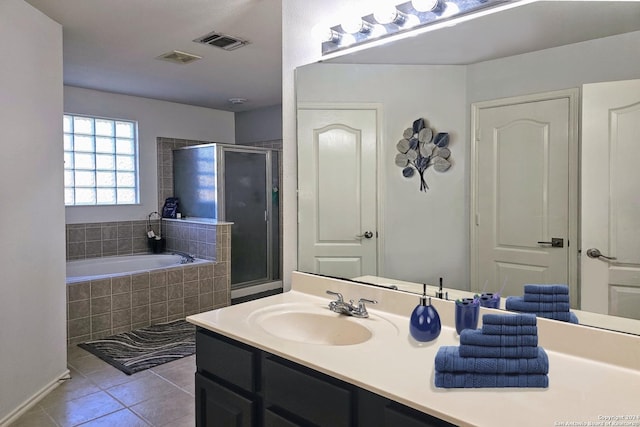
313,328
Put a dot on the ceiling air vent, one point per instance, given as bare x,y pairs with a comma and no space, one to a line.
179,57
222,41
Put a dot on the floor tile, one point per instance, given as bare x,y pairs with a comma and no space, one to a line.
182,376
74,352
35,418
109,376
165,410
145,388
122,418
188,421
83,409
86,364
77,386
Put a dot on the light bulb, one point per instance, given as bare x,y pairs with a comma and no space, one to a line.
385,14
450,9
322,33
353,25
424,5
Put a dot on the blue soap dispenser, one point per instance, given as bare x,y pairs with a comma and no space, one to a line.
425,323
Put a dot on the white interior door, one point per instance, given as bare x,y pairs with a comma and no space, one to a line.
611,197
337,226
522,230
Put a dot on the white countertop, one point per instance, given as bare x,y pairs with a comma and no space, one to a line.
393,365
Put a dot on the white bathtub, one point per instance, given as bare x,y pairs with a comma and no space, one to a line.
97,268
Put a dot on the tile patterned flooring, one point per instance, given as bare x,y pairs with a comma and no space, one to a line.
99,395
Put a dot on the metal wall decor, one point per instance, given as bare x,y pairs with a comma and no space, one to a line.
419,149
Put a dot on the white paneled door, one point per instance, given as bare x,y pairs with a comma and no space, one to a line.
611,198
522,226
337,225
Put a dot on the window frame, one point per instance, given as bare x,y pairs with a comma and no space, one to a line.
94,152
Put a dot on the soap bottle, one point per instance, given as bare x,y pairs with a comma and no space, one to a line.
425,323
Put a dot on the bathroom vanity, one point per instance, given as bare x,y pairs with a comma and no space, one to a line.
287,360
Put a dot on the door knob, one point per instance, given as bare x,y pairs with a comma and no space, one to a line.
595,253
556,242
366,235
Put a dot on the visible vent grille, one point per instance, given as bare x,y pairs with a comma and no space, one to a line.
222,41
179,57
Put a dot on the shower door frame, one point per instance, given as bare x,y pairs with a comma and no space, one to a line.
220,151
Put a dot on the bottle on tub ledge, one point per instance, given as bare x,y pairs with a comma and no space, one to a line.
424,324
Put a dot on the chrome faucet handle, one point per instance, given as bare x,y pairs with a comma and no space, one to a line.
337,295
361,311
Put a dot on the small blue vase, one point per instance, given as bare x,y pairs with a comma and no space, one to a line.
424,324
467,313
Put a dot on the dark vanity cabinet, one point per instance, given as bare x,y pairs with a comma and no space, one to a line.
238,386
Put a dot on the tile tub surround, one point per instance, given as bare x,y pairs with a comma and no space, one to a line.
99,308
205,241
94,240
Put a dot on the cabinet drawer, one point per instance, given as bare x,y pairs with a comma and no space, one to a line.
225,360
310,397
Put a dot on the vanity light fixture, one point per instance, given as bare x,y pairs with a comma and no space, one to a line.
389,20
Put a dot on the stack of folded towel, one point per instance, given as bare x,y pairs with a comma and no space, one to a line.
504,353
549,301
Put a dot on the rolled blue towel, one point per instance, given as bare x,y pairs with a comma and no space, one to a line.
476,337
565,316
518,304
545,297
509,319
573,318
489,329
523,352
460,380
546,289
448,359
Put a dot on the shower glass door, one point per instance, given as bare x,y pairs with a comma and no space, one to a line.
247,203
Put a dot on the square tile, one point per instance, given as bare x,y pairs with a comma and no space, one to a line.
120,285
78,309
175,307
139,390
175,291
165,410
101,305
83,409
174,276
78,327
140,315
79,291
101,323
100,288
109,247
109,232
140,281
139,298
158,295
121,418
206,285
158,311
190,273
158,278
120,319
191,289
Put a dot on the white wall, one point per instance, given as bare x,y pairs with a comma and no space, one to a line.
32,261
425,234
606,59
263,124
155,118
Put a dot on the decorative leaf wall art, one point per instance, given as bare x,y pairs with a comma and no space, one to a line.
419,148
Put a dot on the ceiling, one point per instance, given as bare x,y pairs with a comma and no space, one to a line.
111,45
526,28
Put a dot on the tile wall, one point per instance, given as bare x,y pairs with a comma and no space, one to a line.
94,240
99,308
192,238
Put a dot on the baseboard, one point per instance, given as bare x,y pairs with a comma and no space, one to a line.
33,400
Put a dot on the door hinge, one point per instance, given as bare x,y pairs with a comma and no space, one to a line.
477,219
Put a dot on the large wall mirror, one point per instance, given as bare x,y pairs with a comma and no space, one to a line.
574,53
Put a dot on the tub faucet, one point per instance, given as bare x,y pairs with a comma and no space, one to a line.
186,258
342,307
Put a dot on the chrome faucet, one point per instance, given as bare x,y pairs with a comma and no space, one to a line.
342,307
186,258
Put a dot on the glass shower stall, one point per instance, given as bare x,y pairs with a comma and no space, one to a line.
238,184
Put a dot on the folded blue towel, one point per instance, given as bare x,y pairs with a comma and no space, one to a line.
573,318
489,329
522,352
565,316
459,380
518,304
546,289
509,319
545,297
476,337
448,359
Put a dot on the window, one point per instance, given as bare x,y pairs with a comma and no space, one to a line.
100,161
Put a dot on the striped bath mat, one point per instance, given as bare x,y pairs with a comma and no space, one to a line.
146,347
